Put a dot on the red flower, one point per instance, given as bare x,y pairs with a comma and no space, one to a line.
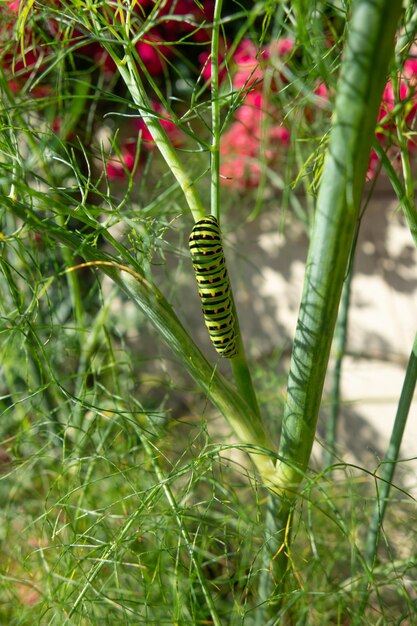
322,91
284,46
116,166
19,60
192,23
410,71
389,100
280,47
141,5
278,53
249,114
204,59
174,134
248,71
153,52
241,146
373,165
280,136
105,62
13,6
257,126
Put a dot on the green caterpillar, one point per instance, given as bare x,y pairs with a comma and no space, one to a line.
213,284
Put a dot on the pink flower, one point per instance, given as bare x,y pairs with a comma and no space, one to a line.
389,101
13,6
246,60
410,70
153,52
238,141
387,136
240,173
240,151
280,47
373,165
257,126
170,128
322,91
249,114
320,102
251,62
285,45
20,60
204,59
278,53
388,96
193,23
116,166
105,62
232,173
246,53
141,6
280,136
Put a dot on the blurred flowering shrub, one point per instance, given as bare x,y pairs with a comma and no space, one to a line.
172,46
21,56
257,133
386,133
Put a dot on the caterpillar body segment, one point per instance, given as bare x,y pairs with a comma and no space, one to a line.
213,284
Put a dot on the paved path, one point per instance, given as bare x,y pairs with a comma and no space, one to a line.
267,270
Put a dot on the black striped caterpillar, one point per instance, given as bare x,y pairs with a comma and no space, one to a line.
213,284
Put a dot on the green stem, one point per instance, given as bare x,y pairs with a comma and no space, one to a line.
128,70
88,345
130,74
183,530
363,76
215,113
275,561
406,197
74,289
386,478
240,368
108,551
239,364
241,371
407,203
340,339
391,456
407,36
40,152
246,423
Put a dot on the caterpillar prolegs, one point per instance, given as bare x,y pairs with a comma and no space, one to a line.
213,284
